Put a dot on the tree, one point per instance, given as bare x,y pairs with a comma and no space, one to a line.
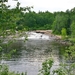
70,53
46,67
60,22
63,33
3,1
73,29
8,24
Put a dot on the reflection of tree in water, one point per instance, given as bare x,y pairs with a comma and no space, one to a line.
38,48
49,49
11,46
59,49
31,48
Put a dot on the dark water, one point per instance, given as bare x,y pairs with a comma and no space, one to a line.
30,55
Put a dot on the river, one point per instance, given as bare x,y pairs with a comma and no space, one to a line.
31,53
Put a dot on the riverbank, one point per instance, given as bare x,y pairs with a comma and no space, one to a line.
25,34
49,33
58,38
36,35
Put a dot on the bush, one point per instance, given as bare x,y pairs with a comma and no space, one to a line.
4,70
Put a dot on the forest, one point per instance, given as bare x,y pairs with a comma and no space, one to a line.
24,19
19,18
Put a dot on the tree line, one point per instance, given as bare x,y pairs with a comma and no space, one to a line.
20,18
46,20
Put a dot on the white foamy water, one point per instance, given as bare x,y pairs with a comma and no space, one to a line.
34,35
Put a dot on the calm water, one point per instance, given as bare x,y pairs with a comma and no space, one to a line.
30,54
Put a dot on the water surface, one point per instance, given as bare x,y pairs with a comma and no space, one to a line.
30,54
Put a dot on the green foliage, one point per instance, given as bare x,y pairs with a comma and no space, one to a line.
0,48
72,39
63,33
9,25
18,19
70,53
3,1
46,66
73,30
41,20
5,71
65,69
60,22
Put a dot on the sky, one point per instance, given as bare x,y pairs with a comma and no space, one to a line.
46,5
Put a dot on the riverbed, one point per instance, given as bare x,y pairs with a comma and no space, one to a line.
31,53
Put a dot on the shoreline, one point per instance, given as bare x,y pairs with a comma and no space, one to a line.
49,33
